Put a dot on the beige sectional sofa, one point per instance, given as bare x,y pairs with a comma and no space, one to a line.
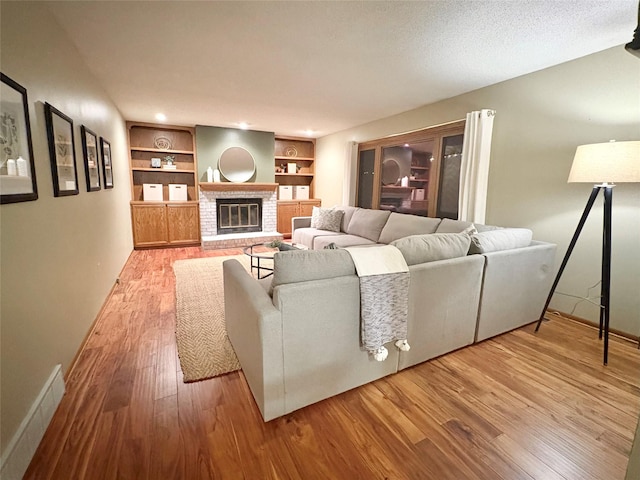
297,335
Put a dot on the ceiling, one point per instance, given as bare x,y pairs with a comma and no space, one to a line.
326,66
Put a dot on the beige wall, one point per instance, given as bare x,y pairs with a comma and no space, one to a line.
541,118
60,256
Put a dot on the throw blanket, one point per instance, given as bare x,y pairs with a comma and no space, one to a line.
384,297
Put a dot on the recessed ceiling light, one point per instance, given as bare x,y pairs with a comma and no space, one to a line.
161,117
308,132
243,125
406,144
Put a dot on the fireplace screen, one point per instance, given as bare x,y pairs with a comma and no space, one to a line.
239,215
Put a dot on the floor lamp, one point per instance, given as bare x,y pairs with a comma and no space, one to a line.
603,164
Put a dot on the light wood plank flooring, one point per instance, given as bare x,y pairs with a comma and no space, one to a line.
519,406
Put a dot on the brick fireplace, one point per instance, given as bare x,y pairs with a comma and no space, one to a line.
211,192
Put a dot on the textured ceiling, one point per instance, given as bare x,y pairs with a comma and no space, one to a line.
326,66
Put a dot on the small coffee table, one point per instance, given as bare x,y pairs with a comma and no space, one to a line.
264,254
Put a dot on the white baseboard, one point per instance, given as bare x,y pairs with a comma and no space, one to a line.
19,452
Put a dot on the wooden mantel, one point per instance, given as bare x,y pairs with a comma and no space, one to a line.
236,187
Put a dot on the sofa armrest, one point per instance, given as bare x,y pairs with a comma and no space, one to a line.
300,222
515,286
254,327
321,337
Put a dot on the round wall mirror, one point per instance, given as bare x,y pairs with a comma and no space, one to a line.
236,165
390,171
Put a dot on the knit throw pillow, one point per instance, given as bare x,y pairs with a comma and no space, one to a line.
326,219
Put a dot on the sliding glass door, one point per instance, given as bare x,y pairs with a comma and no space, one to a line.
366,167
449,186
404,173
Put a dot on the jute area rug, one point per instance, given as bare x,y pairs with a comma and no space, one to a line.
203,346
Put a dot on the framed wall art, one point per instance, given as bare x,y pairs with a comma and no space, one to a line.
90,155
17,169
61,152
107,171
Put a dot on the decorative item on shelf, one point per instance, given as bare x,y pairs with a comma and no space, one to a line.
216,176
283,168
152,192
285,192
290,151
169,165
209,174
301,192
292,168
156,163
162,143
177,192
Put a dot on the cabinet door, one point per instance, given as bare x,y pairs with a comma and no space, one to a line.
306,207
183,223
286,211
149,224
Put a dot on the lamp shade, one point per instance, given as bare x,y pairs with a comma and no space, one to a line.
611,162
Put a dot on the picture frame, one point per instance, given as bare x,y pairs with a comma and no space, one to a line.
62,152
107,164
91,162
18,177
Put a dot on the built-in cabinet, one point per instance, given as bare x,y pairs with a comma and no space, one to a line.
294,166
287,209
294,163
164,205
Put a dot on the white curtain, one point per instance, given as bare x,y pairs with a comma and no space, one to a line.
350,173
474,167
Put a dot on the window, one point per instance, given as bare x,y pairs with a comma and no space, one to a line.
415,172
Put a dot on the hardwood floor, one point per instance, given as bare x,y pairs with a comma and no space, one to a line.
519,406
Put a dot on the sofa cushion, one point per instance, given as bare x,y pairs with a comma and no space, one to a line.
368,223
326,219
501,239
306,265
403,225
305,236
346,218
431,248
453,226
341,241
486,228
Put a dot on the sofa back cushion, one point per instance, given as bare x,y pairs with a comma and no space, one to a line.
305,265
367,223
501,239
453,226
431,248
346,218
401,225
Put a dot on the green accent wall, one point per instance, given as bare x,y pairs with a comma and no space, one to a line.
212,141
